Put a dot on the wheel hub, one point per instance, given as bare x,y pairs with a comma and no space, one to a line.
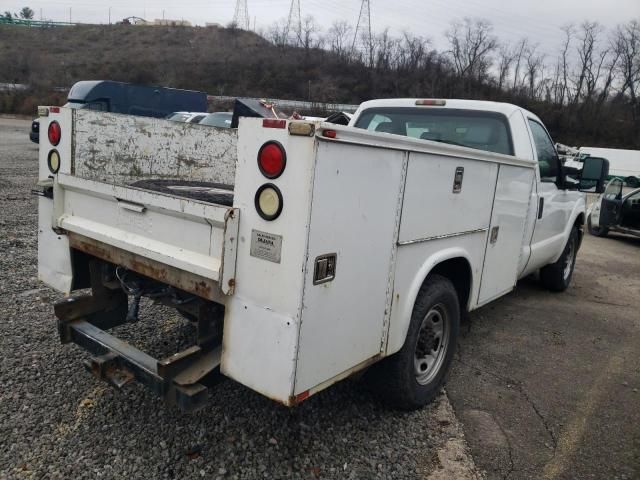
431,346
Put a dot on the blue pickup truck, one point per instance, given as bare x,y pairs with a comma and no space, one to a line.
120,97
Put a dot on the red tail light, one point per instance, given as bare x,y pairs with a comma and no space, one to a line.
54,133
272,159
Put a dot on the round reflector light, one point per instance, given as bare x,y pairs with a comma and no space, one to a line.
53,161
54,133
268,201
272,159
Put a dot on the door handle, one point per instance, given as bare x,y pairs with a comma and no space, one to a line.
540,207
133,207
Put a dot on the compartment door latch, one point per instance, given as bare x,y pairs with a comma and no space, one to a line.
325,268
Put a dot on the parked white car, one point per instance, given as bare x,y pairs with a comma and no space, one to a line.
187,117
337,249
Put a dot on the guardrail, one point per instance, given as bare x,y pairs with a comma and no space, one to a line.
33,23
294,104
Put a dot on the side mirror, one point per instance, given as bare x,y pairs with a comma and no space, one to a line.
594,174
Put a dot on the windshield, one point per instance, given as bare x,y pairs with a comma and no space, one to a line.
74,105
468,128
219,119
179,116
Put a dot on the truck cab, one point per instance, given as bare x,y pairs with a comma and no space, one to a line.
303,251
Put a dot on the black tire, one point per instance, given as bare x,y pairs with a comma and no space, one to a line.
557,276
596,231
396,378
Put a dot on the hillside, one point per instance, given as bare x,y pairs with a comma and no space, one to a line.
223,61
217,60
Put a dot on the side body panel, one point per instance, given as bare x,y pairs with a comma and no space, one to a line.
262,318
414,262
431,207
506,233
54,254
438,225
357,197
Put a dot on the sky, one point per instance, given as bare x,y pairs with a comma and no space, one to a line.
539,20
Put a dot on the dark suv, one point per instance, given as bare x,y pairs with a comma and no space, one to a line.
119,97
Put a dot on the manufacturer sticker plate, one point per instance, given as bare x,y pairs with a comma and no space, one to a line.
266,246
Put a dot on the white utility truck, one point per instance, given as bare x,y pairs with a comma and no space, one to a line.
302,251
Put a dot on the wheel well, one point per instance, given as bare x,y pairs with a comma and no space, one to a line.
458,271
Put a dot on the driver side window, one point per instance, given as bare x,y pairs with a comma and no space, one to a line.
548,161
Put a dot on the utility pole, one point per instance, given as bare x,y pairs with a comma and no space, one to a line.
109,15
69,14
241,15
294,21
364,27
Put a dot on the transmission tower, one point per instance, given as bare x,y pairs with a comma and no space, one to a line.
363,27
295,21
241,15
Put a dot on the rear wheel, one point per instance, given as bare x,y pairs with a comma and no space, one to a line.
412,377
597,231
557,276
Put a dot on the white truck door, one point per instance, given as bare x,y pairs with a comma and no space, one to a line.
554,205
504,242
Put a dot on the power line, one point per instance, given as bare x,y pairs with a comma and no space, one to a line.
364,23
295,21
241,15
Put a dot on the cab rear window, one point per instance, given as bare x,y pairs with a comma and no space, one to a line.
481,130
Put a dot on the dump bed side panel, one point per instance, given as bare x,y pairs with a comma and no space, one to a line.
121,149
101,155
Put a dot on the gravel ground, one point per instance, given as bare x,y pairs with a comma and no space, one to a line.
56,421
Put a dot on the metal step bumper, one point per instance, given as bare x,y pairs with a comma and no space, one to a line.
180,379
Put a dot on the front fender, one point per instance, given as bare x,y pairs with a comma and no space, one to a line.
407,286
578,209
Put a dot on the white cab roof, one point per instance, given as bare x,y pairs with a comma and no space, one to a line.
506,109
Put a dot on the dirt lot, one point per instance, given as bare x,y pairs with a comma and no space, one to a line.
548,386
544,386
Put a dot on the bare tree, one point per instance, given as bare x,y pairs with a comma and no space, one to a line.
584,82
534,72
518,55
412,51
506,56
385,50
471,43
338,38
277,33
311,34
627,45
564,65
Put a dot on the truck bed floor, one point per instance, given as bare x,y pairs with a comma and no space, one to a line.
217,193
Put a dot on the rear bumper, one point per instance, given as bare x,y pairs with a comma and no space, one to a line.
179,379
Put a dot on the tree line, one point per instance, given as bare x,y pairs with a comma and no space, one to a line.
587,94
